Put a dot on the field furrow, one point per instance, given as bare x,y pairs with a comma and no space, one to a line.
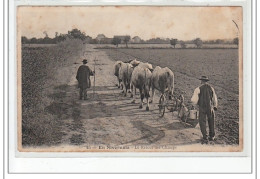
220,65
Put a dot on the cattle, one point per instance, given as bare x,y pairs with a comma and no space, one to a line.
141,79
146,65
134,62
142,65
163,80
125,73
116,68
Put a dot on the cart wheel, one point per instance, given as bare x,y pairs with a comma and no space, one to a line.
162,105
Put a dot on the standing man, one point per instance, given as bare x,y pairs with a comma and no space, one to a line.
205,97
83,77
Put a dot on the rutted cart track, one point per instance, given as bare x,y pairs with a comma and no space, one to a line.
109,118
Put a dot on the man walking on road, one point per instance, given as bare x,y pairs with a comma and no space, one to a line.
205,97
83,77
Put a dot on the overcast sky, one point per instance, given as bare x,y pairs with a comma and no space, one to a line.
184,23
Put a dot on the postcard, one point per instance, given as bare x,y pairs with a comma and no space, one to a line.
130,78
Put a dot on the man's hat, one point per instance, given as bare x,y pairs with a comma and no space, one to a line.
204,78
85,61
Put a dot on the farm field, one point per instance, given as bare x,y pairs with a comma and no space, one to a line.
178,46
52,115
64,51
220,65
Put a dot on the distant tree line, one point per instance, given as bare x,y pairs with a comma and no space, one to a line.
74,33
199,43
77,34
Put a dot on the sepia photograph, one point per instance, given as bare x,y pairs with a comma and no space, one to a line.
129,78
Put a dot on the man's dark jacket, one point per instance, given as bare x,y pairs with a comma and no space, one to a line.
83,77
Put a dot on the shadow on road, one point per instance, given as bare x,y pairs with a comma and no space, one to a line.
150,134
107,102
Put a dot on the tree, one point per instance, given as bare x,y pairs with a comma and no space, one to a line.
93,41
183,45
126,40
33,40
219,41
46,34
76,34
173,42
236,41
56,38
88,39
60,37
198,42
157,41
24,40
46,40
116,41
100,37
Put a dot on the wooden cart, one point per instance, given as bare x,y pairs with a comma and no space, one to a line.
177,105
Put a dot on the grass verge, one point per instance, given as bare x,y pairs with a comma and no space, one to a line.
39,74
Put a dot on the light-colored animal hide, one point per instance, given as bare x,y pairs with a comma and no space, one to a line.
162,80
141,79
125,73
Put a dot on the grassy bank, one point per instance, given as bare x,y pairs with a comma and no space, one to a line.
40,65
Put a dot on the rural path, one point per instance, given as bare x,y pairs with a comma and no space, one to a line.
108,119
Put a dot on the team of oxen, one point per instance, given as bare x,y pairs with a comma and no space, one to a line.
135,74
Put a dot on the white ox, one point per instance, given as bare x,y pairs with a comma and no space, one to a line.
116,68
141,79
125,73
163,80
146,65
142,65
135,62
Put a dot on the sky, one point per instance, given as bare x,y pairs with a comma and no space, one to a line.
183,23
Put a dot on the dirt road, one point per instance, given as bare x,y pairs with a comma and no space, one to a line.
109,121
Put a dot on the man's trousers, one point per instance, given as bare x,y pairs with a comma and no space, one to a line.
211,123
82,93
